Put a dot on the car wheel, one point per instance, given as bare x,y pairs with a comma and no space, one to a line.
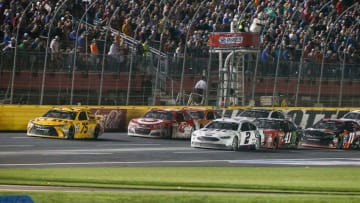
235,144
96,132
339,144
257,144
355,144
297,143
191,132
275,144
169,132
71,133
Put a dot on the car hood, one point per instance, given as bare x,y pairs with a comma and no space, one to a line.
244,118
150,121
49,121
214,132
319,133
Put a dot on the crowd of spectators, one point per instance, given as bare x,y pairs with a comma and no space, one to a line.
289,29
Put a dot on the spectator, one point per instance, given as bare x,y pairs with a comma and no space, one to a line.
94,54
266,60
55,52
127,27
114,53
200,89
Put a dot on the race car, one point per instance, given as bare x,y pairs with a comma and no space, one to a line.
67,123
354,115
163,123
333,134
252,114
279,133
229,134
202,115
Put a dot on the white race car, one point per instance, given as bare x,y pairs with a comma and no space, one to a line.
227,133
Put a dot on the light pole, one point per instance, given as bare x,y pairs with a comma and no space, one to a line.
15,52
278,57
160,54
185,49
324,48
75,50
47,51
302,59
104,54
343,69
132,53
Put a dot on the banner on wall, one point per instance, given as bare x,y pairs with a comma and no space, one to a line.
238,39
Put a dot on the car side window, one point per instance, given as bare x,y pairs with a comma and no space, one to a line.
291,126
284,126
210,116
274,115
187,116
179,117
277,115
349,126
82,116
251,126
244,127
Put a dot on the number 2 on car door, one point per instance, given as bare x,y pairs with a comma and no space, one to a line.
247,137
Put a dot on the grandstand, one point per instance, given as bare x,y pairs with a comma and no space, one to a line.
305,52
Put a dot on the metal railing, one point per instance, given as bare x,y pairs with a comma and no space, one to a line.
340,81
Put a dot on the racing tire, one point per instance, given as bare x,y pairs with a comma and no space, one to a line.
235,144
169,132
275,144
96,132
339,144
257,144
297,143
191,132
355,144
71,133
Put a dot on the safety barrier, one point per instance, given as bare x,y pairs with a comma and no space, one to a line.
16,117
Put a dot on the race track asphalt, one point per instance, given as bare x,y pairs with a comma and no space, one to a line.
117,149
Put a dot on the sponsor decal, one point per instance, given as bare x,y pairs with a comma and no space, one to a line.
114,119
233,39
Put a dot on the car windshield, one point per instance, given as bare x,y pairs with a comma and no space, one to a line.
254,114
159,115
60,114
197,114
267,124
331,125
352,115
223,125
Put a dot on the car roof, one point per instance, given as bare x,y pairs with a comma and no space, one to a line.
165,109
342,120
197,109
234,120
73,109
272,119
354,111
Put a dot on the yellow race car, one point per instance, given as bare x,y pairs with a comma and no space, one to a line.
67,123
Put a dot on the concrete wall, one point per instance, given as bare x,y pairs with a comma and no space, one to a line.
16,117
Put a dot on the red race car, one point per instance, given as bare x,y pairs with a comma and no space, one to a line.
279,133
163,123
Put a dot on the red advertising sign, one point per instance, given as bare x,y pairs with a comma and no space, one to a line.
239,39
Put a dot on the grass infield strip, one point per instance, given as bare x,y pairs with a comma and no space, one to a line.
250,184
